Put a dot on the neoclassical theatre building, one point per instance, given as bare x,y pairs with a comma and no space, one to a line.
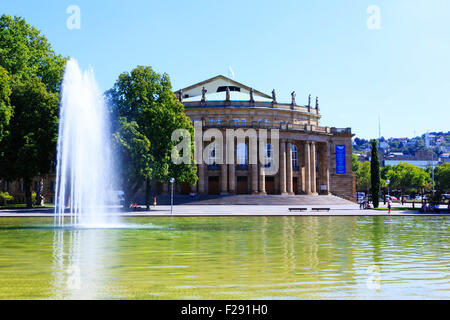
313,160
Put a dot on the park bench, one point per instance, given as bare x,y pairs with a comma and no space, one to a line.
320,209
298,209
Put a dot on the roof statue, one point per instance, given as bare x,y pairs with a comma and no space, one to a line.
204,94
252,99
180,95
274,96
309,103
317,105
293,98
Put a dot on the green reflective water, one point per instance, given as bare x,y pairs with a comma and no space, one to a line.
228,258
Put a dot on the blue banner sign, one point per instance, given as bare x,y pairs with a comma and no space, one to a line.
340,159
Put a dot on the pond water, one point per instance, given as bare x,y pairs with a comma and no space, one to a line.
228,258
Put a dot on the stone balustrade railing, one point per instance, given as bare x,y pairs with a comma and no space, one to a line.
278,125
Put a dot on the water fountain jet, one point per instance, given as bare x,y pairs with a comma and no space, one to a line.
85,173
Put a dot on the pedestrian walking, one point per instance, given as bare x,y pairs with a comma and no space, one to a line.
389,206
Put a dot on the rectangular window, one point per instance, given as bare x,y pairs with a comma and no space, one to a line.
236,122
211,122
243,121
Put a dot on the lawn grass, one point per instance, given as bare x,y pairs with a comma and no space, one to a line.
24,206
396,208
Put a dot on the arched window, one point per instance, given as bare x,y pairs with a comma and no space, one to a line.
294,157
268,155
242,156
212,154
212,157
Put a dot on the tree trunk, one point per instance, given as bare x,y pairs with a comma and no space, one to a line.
40,193
148,193
27,187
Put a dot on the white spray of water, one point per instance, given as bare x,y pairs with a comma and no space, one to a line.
84,174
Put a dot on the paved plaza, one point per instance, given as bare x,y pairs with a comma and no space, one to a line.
235,211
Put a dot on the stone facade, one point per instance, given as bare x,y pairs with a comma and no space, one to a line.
307,151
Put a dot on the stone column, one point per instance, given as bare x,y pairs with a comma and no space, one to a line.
254,173
262,180
313,168
323,168
289,170
232,178
224,171
307,168
283,189
327,164
201,178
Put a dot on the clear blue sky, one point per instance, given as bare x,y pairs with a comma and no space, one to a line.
400,72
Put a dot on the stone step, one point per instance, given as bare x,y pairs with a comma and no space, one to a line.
252,200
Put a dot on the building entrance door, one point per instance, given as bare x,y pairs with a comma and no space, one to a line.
213,185
242,185
295,185
270,185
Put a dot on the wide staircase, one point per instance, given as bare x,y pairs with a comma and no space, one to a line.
243,199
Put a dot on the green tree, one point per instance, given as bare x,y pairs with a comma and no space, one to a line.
404,176
363,177
35,76
5,197
146,97
136,160
355,163
5,106
375,174
442,177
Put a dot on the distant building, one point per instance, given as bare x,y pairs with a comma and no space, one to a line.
422,159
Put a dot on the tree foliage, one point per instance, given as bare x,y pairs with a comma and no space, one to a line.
442,177
35,74
5,197
5,105
405,175
136,160
146,98
362,174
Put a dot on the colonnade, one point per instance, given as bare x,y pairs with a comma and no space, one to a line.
314,161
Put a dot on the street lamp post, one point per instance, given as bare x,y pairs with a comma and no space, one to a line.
172,180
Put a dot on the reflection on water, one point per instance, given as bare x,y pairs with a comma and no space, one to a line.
229,258
79,263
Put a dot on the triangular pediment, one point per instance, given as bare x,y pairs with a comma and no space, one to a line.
212,85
